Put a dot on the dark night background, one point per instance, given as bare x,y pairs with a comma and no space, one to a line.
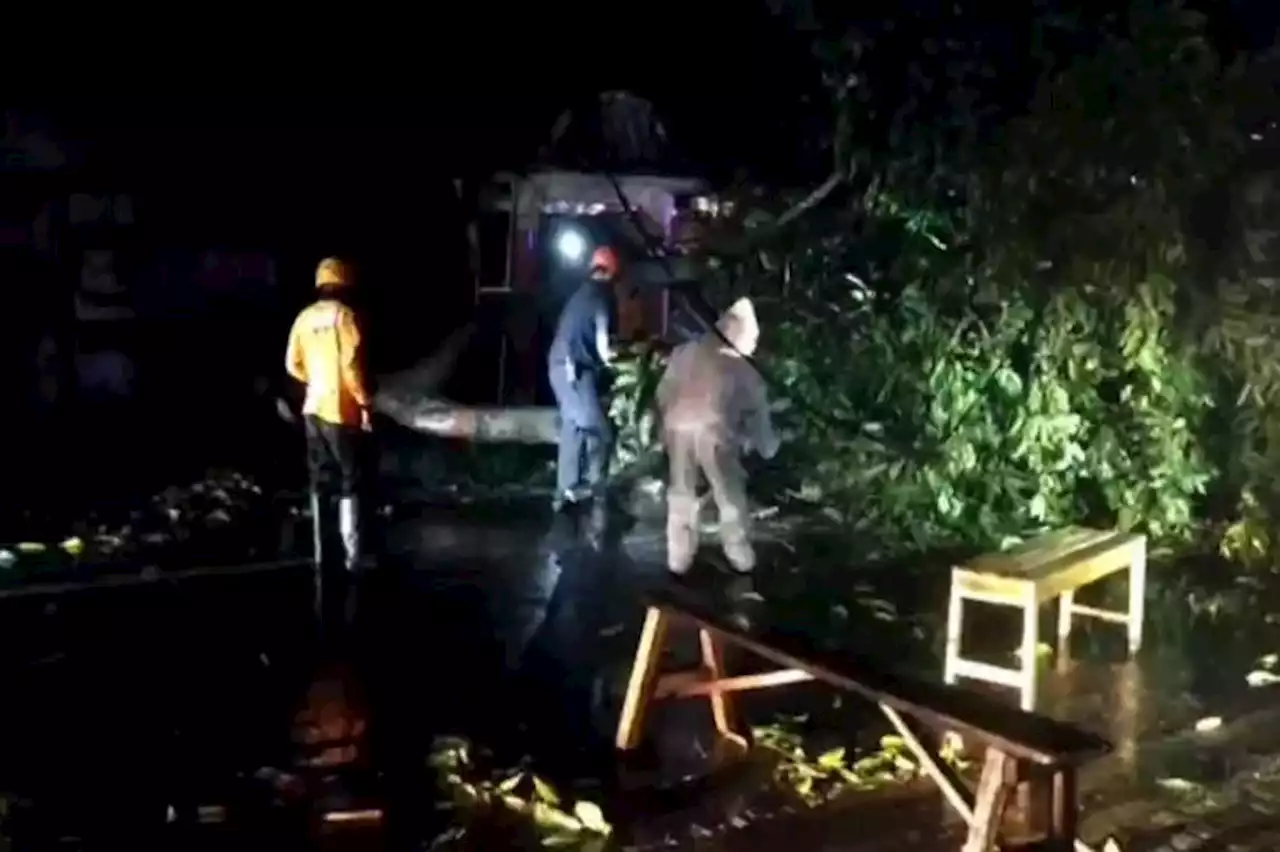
344,136
406,101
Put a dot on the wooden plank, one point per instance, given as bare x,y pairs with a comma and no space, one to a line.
1037,551
1100,614
1066,572
1083,567
948,784
724,710
1122,542
644,677
988,672
995,589
939,706
1061,542
699,682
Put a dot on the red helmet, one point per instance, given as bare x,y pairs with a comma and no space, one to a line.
604,263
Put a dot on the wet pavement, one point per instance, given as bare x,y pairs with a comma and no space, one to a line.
551,611
494,620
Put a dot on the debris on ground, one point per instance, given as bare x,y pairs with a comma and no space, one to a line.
192,514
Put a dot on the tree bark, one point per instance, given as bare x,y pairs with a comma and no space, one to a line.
443,419
409,398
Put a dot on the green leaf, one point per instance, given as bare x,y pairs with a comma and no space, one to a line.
832,759
892,742
544,792
560,839
591,817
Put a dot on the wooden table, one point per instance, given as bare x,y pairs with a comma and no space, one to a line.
1055,565
1032,758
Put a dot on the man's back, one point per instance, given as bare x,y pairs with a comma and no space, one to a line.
576,329
706,387
324,352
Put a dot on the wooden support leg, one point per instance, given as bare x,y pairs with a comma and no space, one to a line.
955,624
1065,602
1128,700
1065,808
1046,816
1035,802
1030,647
1137,595
952,789
989,806
644,677
723,710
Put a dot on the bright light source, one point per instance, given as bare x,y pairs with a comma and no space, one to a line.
571,245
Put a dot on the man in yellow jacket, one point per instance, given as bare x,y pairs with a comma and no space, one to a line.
325,353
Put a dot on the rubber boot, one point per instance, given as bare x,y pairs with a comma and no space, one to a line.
597,522
317,553
349,530
350,607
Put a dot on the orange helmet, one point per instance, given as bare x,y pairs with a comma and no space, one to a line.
332,272
604,263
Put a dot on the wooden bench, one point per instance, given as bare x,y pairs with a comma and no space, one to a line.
1032,757
1056,565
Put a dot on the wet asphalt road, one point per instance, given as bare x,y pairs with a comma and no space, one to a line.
505,624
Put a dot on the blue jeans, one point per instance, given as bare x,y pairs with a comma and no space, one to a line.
585,433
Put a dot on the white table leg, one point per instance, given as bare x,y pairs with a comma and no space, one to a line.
1065,601
955,624
1030,645
1137,594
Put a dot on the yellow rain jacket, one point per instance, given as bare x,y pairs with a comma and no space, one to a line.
324,354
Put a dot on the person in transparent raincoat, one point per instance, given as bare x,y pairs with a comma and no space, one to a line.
714,407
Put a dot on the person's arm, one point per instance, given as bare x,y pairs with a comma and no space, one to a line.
666,386
352,366
670,376
602,333
294,364
758,422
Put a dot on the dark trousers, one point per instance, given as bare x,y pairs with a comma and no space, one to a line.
335,460
585,433
334,457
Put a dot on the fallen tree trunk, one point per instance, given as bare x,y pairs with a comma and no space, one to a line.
409,398
488,425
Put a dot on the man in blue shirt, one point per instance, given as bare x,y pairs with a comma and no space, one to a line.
579,355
